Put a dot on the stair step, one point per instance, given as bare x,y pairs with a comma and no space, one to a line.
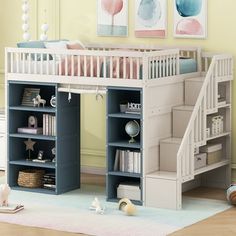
181,116
169,175
168,153
191,90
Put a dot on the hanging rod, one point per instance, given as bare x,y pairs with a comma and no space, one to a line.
83,89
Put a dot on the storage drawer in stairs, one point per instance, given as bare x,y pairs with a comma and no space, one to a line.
181,116
192,89
168,153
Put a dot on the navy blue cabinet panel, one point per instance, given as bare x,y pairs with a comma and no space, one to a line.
62,146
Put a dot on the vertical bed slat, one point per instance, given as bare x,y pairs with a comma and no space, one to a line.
78,61
124,67
72,65
131,68
117,67
91,66
29,63
12,57
48,72
137,68
104,67
41,63
98,66
66,65
35,63
54,65
111,67
23,67
85,66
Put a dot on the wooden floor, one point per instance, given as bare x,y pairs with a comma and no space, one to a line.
221,224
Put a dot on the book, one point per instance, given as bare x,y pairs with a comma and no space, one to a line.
41,161
30,130
28,95
11,208
49,186
116,162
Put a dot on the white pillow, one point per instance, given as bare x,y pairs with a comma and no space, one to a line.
75,44
56,45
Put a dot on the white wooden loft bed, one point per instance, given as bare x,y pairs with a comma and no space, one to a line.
157,70
127,66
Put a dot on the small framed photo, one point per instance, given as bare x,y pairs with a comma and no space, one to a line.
40,155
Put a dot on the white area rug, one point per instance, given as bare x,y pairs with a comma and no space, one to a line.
70,212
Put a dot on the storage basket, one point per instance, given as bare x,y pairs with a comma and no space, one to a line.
31,178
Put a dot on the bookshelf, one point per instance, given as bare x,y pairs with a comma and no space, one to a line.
124,159
65,139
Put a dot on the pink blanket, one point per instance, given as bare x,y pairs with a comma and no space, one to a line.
88,66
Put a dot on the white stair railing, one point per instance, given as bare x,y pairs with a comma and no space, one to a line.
221,66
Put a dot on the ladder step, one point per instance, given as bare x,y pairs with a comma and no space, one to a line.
191,89
181,116
168,154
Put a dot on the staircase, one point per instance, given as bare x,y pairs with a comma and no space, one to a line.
189,123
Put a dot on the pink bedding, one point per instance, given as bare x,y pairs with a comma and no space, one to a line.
88,66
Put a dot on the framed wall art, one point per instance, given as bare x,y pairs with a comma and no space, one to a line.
151,18
112,17
190,18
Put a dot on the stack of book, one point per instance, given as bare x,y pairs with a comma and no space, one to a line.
49,181
127,161
49,125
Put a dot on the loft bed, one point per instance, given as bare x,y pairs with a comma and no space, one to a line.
158,72
103,65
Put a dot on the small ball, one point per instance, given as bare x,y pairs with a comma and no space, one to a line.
26,36
25,7
25,17
25,27
44,27
43,37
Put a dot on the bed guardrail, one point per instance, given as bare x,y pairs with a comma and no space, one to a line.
115,64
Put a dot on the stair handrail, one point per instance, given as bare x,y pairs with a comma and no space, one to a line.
190,126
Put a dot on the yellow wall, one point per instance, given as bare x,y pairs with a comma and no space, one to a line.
76,19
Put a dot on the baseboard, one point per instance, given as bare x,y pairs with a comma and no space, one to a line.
93,170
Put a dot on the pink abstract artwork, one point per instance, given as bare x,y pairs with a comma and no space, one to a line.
189,27
190,18
112,18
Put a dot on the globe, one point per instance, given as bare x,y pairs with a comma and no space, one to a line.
132,128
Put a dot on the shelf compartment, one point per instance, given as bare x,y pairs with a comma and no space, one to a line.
218,136
212,167
121,95
49,165
126,174
36,190
125,144
125,115
33,109
32,136
213,111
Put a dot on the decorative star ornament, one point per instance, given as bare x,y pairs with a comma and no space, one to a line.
29,144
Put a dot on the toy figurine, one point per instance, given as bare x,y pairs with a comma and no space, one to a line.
38,100
127,206
4,193
96,205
